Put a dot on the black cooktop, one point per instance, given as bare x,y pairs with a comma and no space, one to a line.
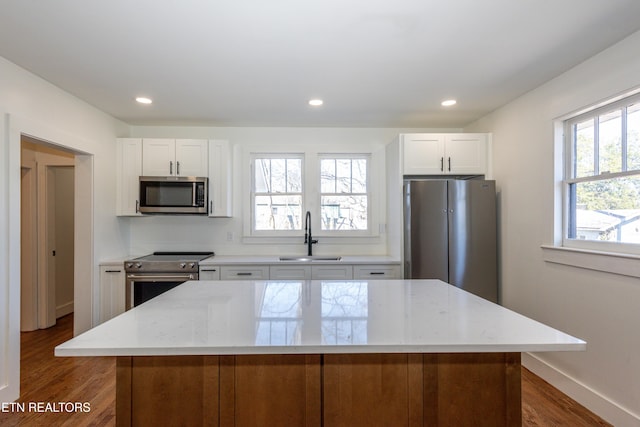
176,256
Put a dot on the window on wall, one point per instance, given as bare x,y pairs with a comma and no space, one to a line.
344,196
277,192
333,187
603,174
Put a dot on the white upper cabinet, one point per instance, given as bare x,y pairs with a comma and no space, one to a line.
220,203
179,157
129,169
192,158
444,154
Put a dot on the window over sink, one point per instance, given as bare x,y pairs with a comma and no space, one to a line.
334,187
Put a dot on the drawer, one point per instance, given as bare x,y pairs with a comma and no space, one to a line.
211,272
290,272
257,272
372,272
332,272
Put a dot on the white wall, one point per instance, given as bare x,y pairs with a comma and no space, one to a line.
601,308
30,105
197,233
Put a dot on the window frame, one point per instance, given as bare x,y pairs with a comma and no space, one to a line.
569,176
311,192
367,194
252,212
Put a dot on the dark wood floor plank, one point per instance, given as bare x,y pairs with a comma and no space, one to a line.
49,379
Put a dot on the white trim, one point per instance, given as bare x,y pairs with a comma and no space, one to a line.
10,264
610,262
581,393
64,309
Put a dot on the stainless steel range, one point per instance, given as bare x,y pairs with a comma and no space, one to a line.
152,275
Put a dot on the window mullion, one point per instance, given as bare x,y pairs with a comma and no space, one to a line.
596,145
623,138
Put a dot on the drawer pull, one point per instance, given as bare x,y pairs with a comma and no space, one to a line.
242,273
377,272
210,270
113,271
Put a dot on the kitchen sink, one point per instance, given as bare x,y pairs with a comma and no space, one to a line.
310,258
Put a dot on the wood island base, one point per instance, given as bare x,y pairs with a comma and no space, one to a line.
441,389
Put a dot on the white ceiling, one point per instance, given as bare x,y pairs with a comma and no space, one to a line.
376,63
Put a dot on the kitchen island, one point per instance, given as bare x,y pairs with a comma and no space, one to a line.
312,353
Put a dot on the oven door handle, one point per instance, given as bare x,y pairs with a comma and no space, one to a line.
190,276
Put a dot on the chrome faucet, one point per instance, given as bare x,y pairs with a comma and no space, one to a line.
307,234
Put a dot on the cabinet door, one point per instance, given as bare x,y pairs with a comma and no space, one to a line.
220,203
423,154
112,290
332,272
290,272
209,273
128,170
466,153
191,157
244,272
373,272
158,157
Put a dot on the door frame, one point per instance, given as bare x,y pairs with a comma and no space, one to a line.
12,129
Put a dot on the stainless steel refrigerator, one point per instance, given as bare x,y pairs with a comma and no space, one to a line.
450,233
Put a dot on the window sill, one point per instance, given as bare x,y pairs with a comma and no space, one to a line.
610,262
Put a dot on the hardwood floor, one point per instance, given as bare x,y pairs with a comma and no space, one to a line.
47,379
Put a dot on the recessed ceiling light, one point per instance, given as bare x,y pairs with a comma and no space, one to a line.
144,100
316,102
448,102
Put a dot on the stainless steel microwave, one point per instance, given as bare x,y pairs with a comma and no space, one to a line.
173,195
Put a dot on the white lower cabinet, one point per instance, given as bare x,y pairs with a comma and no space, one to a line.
332,272
290,272
112,290
257,272
211,272
302,271
372,272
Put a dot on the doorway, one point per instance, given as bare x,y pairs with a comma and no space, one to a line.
47,234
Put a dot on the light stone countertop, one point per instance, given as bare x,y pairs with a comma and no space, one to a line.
275,259
316,317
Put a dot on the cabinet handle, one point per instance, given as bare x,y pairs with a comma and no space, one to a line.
210,270
377,272
211,207
242,273
113,271
137,206
177,168
441,164
170,168
449,164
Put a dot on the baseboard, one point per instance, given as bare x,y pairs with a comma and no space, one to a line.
587,397
64,309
